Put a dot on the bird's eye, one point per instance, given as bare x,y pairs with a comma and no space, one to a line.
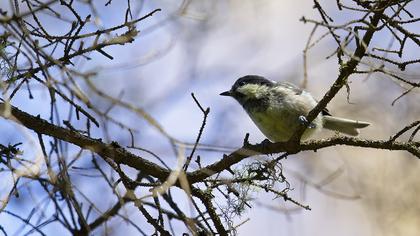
242,83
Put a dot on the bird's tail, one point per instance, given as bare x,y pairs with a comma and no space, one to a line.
343,125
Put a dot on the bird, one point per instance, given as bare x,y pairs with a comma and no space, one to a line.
279,108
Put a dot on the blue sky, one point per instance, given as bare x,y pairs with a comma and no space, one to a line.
204,50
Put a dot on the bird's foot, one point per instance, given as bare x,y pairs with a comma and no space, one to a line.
302,120
265,144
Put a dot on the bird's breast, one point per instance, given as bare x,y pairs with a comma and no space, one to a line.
278,123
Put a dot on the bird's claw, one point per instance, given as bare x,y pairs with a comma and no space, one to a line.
265,144
304,121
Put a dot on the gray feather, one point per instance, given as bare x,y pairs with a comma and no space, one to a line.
343,125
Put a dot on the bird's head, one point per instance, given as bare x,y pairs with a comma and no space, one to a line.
249,87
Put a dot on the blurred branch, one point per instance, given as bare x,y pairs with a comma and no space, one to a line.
113,150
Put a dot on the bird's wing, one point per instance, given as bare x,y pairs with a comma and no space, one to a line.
299,91
292,87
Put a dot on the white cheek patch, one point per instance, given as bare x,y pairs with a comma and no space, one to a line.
252,90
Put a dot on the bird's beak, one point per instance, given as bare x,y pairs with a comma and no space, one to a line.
227,93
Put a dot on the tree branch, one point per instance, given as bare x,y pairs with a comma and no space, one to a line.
113,150
346,69
312,145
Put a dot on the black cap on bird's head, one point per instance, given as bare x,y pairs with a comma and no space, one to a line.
248,79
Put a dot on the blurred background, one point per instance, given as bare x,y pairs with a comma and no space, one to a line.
202,47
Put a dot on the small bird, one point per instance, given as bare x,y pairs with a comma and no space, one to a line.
278,109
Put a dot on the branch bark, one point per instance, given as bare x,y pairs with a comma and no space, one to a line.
122,156
312,145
